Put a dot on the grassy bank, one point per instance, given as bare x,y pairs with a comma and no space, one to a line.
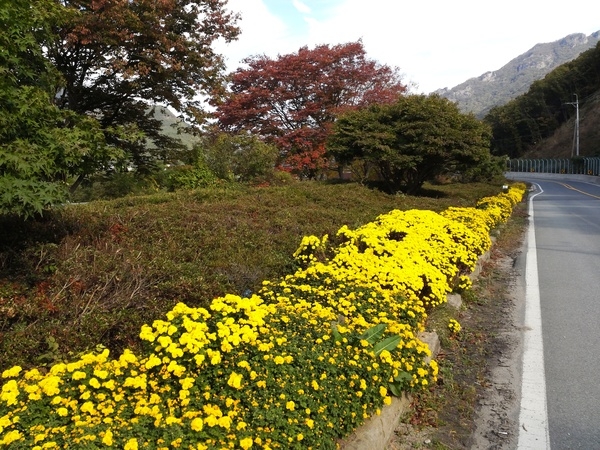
90,275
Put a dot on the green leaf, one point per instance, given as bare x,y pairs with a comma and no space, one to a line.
388,344
396,389
337,336
403,377
52,344
373,334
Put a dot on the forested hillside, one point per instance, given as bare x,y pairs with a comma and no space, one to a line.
561,143
525,124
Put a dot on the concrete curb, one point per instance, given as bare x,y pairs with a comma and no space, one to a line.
482,259
376,432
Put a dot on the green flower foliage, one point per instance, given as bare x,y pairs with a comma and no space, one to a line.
300,364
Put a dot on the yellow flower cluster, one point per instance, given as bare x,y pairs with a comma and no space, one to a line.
454,326
500,206
309,247
300,364
416,254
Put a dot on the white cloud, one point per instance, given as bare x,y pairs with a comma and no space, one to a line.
301,6
435,43
262,32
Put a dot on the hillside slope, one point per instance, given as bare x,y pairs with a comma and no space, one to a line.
560,144
478,95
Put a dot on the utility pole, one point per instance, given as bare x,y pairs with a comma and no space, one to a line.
576,131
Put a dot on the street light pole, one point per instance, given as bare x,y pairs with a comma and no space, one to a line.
576,133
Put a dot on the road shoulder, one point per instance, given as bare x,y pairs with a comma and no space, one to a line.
476,402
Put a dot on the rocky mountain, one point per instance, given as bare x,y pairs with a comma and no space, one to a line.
478,95
169,126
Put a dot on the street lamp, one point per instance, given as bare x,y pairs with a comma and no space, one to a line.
576,131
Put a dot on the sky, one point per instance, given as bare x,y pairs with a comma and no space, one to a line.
433,43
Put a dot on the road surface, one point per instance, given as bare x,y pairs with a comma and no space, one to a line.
562,339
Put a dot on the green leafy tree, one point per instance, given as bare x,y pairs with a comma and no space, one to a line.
41,147
118,57
242,157
411,141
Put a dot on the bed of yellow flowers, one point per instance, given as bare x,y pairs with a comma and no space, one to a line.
300,364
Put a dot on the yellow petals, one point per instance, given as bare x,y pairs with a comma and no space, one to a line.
246,443
197,424
132,444
235,380
12,372
108,438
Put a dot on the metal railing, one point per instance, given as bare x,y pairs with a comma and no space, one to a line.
579,166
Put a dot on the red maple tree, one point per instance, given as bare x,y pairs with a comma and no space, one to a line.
293,100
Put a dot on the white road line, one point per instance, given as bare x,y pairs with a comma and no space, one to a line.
533,417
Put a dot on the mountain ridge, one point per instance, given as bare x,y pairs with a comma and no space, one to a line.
493,88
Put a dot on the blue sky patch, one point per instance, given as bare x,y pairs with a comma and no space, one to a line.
294,13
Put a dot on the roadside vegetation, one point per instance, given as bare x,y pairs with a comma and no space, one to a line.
92,274
445,417
108,223
375,279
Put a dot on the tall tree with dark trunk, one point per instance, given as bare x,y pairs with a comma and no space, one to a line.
117,57
293,100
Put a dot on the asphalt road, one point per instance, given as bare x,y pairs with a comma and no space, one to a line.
567,236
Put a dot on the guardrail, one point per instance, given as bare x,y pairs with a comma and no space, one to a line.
578,166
